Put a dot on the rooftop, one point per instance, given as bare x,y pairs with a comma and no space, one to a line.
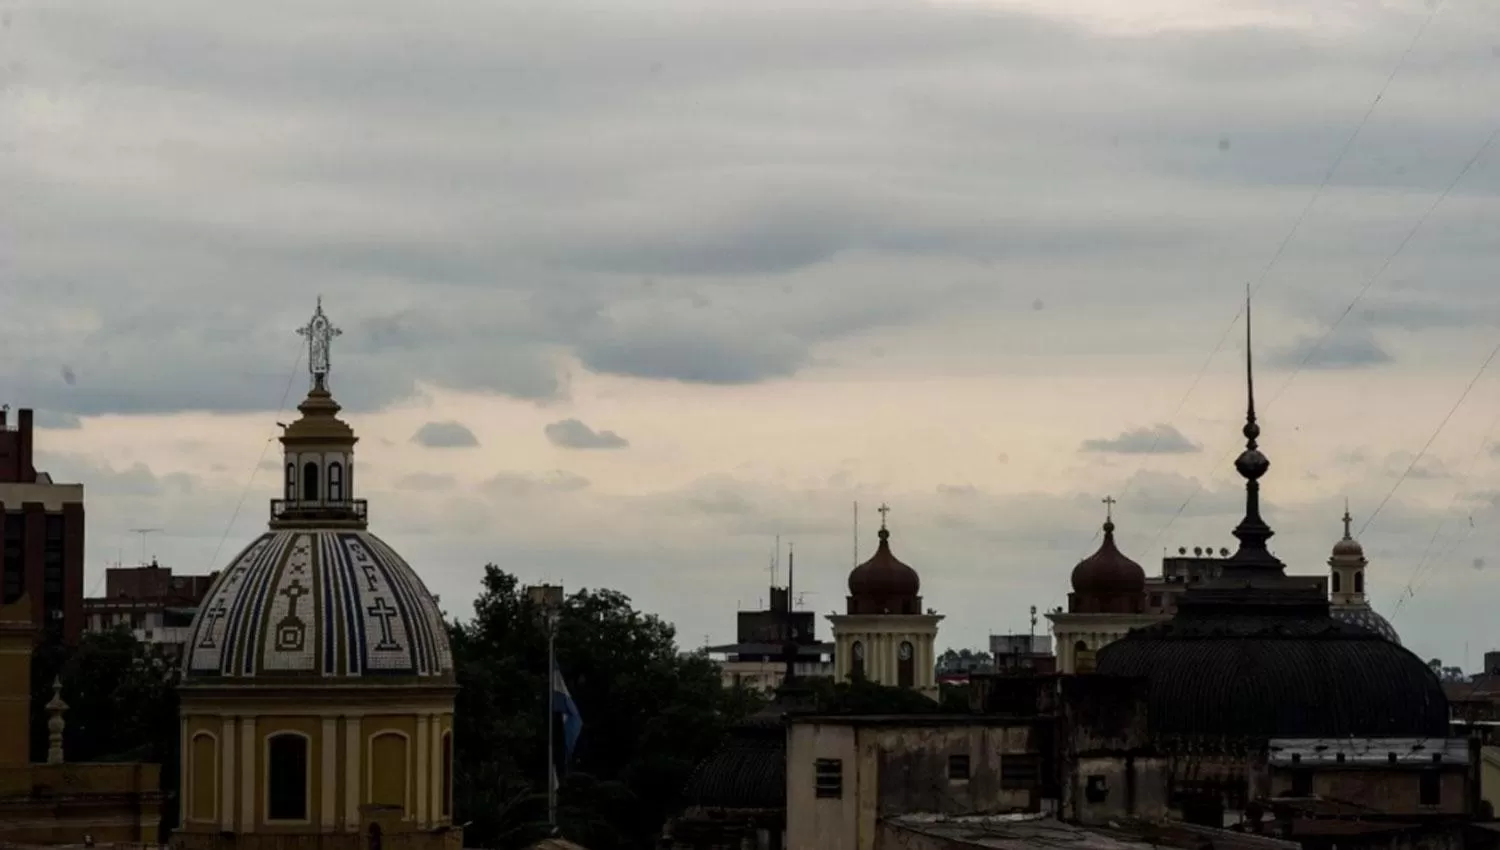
1026,831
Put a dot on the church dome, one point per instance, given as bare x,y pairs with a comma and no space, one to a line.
311,603
1255,653
883,584
1348,548
1108,571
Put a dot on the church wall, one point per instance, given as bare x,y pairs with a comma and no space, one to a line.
62,803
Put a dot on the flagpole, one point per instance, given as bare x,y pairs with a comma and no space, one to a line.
551,720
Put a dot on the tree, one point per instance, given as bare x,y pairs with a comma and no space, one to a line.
1447,674
650,714
122,705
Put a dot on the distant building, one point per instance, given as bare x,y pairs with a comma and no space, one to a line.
1026,654
885,636
41,537
756,658
1108,600
156,606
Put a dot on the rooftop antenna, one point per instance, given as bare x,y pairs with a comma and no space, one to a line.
791,573
776,561
143,532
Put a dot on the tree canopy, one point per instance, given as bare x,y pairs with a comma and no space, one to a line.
650,714
122,704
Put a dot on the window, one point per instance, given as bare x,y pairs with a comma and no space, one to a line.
1336,583
335,482
1430,791
12,558
1302,782
958,767
447,801
1156,600
291,482
1359,582
310,482
1096,790
54,597
829,778
857,668
286,777
1019,771
906,661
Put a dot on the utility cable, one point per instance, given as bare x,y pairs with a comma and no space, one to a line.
255,470
1286,240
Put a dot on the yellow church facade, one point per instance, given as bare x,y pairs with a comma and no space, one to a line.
317,682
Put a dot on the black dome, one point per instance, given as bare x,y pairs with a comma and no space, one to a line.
1278,676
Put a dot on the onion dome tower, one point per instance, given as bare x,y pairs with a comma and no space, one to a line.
317,680
884,636
1346,586
1108,600
1255,654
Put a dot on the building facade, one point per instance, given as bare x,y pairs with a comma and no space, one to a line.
41,534
757,657
317,683
885,636
154,605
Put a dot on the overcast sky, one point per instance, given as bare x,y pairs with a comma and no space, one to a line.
629,288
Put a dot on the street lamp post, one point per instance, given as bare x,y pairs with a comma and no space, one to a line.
549,599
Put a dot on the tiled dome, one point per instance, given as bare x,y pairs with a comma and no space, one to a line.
1365,617
310,603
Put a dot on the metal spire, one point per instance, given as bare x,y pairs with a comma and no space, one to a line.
1253,532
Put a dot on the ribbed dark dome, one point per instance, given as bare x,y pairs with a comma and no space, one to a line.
748,771
1108,571
1283,677
884,585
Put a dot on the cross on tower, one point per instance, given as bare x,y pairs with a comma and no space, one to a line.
883,509
383,612
319,333
1109,507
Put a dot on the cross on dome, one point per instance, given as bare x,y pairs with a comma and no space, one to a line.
883,509
1109,503
319,332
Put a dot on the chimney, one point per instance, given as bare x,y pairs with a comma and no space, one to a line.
25,472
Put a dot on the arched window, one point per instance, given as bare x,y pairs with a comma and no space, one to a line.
388,769
286,776
1359,582
447,802
310,481
291,481
1336,583
857,662
203,778
335,482
906,661
374,833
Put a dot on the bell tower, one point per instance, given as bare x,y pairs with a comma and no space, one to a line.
318,448
1346,581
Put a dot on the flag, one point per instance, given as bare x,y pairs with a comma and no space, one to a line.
572,721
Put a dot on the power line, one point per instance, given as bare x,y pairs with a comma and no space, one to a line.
1401,246
1286,240
255,470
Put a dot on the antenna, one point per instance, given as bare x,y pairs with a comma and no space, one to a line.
143,532
791,572
776,561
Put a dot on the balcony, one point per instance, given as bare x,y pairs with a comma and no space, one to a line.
318,510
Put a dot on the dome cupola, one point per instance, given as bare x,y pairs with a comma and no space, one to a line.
1108,581
883,584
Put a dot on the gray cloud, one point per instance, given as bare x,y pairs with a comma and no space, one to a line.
574,434
57,420
483,251
1355,348
445,435
513,484
1160,439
